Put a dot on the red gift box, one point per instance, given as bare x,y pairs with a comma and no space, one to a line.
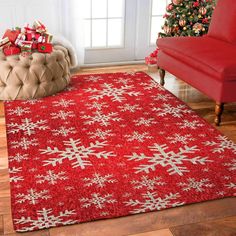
45,47
11,50
12,34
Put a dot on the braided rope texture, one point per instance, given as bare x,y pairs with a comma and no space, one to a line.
34,76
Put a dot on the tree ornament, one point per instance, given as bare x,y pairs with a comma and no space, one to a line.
167,29
202,11
197,28
176,2
182,22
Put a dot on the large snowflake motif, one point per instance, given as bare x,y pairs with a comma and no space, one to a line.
144,121
25,143
152,202
19,111
99,180
196,185
136,136
130,108
164,158
97,200
179,138
232,165
151,85
63,131
51,177
148,183
76,152
63,115
193,124
27,126
64,103
222,144
101,118
116,94
45,219
32,196
102,134
18,157
175,111
97,105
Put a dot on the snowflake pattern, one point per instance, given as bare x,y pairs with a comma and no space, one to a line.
101,118
199,186
63,131
76,152
19,111
116,94
169,159
222,144
32,196
136,136
231,165
27,126
130,108
63,115
97,200
152,202
101,134
25,143
64,103
185,124
93,78
51,177
14,174
178,138
18,157
176,111
163,97
99,180
145,122
45,219
149,184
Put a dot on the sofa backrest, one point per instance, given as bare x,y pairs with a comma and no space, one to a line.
223,23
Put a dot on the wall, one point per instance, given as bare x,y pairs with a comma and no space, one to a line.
18,12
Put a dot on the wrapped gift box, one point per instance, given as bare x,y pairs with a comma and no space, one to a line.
12,34
11,50
45,47
5,42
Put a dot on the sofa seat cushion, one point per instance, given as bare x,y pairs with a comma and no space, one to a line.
214,57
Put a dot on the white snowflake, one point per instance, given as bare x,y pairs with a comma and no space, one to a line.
231,185
194,124
93,78
175,111
179,138
116,94
14,174
32,101
32,196
97,200
232,165
27,126
63,131
18,157
63,103
97,105
19,111
130,108
121,80
76,152
196,185
25,143
101,118
151,85
99,180
144,122
63,115
51,177
169,159
222,144
45,219
152,202
150,184
102,134
163,97
140,137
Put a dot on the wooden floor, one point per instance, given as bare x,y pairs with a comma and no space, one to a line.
216,218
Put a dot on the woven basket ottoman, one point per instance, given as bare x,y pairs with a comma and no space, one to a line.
34,76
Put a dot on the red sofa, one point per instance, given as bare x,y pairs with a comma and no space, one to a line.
207,63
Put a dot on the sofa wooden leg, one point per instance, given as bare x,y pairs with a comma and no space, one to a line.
162,76
219,108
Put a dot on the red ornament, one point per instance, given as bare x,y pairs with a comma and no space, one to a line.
11,50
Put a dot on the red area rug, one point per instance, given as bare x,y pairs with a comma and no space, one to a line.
111,145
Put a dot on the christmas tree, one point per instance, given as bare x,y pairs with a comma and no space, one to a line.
187,18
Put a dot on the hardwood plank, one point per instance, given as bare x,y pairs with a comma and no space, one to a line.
223,227
34,233
189,214
5,205
8,225
162,232
3,152
3,164
4,176
1,225
5,189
